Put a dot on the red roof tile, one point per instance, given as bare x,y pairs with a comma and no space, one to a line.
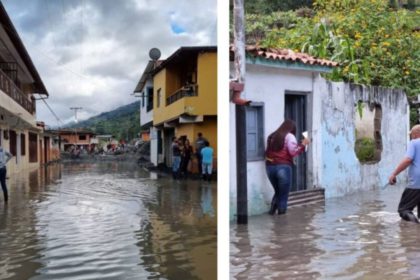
286,55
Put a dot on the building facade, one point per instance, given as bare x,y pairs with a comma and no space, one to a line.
20,86
185,99
179,98
286,85
77,138
144,90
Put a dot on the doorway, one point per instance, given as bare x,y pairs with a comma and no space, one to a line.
46,149
168,135
295,109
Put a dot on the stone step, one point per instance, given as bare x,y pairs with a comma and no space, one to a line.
306,197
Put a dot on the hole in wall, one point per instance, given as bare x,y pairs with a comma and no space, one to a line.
368,145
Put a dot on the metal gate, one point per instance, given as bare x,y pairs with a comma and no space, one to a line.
295,109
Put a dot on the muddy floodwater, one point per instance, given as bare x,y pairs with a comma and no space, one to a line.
107,221
359,236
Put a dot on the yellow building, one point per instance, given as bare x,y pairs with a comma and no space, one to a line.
185,98
19,83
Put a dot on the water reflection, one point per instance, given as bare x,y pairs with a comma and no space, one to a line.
356,237
107,221
272,247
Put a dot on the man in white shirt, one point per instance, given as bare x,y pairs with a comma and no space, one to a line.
5,156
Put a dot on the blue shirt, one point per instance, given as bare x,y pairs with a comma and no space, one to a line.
207,154
413,152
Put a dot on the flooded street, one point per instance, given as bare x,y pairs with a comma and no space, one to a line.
107,221
359,236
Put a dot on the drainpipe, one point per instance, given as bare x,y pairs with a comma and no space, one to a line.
237,87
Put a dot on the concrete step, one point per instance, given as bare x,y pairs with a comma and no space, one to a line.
306,197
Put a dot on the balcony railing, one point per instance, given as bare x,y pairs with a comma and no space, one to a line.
10,88
190,90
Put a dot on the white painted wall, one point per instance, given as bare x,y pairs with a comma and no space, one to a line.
145,117
154,146
341,171
267,85
332,163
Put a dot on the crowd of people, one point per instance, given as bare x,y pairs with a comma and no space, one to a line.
183,152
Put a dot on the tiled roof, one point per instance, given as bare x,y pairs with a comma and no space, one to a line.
286,55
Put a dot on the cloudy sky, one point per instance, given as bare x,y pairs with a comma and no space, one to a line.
91,53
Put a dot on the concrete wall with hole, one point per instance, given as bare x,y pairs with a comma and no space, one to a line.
339,169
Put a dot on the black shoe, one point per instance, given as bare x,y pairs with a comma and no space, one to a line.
408,216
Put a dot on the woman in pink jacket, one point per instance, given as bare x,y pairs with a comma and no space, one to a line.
282,146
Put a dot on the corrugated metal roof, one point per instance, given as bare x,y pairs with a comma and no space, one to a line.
285,55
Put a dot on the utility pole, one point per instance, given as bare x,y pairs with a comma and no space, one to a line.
241,153
75,109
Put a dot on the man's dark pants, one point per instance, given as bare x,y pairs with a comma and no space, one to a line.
3,182
199,161
410,199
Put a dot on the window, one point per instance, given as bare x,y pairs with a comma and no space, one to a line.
158,98
82,137
255,132
149,99
23,144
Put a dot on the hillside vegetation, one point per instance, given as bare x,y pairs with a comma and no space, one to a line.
122,123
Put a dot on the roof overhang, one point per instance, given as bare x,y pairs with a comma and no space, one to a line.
16,121
39,87
183,52
289,65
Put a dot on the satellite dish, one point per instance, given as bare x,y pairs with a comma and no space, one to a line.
154,54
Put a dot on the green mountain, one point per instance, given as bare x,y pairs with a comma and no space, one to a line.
122,123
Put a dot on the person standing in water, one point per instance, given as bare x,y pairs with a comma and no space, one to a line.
282,146
5,156
410,198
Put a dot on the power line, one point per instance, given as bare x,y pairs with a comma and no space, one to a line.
54,114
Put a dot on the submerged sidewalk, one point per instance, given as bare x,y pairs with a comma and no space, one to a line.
359,236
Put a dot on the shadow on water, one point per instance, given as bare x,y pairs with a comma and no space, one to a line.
360,236
107,221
